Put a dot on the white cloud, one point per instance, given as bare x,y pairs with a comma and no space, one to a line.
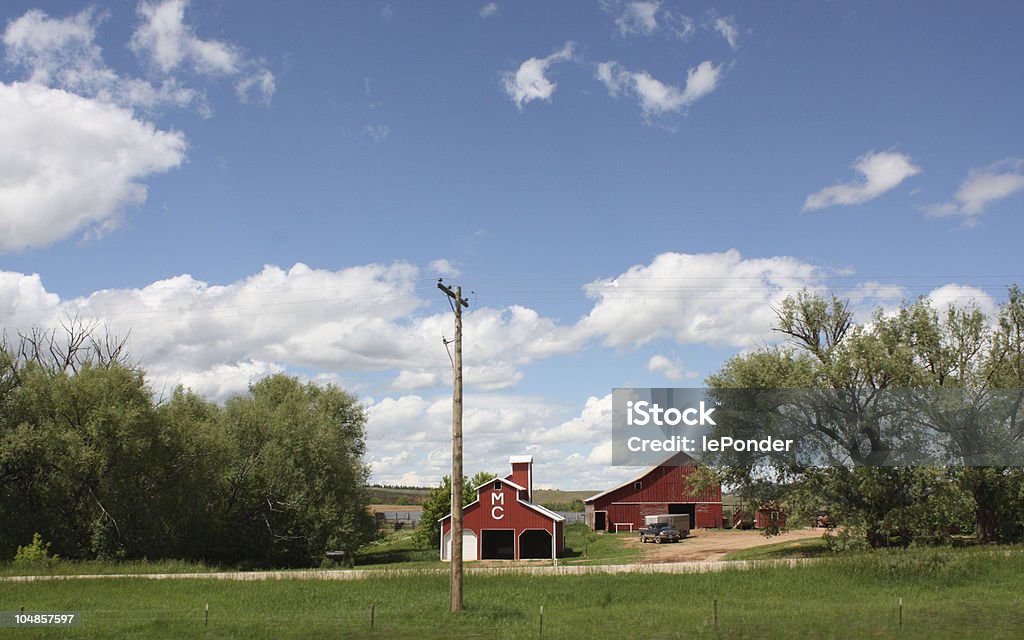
638,18
62,53
443,267
671,369
24,297
85,168
882,171
227,380
713,298
264,85
726,27
489,10
647,18
416,380
167,43
657,98
530,83
410,436
306,319
957,295
981,188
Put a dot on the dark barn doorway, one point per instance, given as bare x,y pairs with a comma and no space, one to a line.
498,544
689,509
534,543
600,520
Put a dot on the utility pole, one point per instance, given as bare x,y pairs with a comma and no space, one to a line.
457,302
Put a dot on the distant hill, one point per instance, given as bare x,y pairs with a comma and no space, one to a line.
402,495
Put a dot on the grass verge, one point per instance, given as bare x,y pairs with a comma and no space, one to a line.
947,593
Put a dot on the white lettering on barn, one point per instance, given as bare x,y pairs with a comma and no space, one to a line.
497,505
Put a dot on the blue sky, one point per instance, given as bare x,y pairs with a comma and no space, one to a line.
625,187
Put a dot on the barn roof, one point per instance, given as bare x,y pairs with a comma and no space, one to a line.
671,461
544,511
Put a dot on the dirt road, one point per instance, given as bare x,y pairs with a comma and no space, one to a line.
713,544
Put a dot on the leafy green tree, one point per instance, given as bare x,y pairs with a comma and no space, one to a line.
848,368
295,483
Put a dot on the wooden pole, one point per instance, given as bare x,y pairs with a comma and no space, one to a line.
456,555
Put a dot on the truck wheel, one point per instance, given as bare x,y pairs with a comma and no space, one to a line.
658,540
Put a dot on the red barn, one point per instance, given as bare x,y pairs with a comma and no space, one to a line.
658,490
504,524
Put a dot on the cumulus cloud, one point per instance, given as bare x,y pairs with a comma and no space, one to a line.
415,380
86,166
91,151
443,267
409,439
657,98
671,369
529,82
882,171
489,10
981,188
957,295
300,319
308,319
713,298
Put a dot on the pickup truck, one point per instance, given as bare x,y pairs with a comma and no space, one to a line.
660,532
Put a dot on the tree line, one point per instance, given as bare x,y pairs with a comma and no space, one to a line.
102,470
923,357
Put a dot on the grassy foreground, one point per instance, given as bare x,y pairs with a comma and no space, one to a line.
946,593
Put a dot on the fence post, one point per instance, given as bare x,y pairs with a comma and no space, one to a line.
373,615
901,614
542,621
206,620
714,613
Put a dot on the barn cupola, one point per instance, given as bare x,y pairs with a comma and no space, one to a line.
522,474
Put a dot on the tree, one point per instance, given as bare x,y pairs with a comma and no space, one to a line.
295,483
438,504
861,383
91,462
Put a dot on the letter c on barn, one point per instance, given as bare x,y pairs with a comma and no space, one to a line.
498,512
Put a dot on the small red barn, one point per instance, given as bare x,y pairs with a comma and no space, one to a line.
504,524
658,490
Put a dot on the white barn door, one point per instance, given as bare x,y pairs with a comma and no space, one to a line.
469,546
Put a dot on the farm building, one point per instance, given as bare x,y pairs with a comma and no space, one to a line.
504,524
658,490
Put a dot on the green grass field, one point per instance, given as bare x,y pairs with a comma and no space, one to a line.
947,593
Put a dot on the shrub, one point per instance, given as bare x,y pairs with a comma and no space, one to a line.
36,554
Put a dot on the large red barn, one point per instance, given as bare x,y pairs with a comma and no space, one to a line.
504,524
658,490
